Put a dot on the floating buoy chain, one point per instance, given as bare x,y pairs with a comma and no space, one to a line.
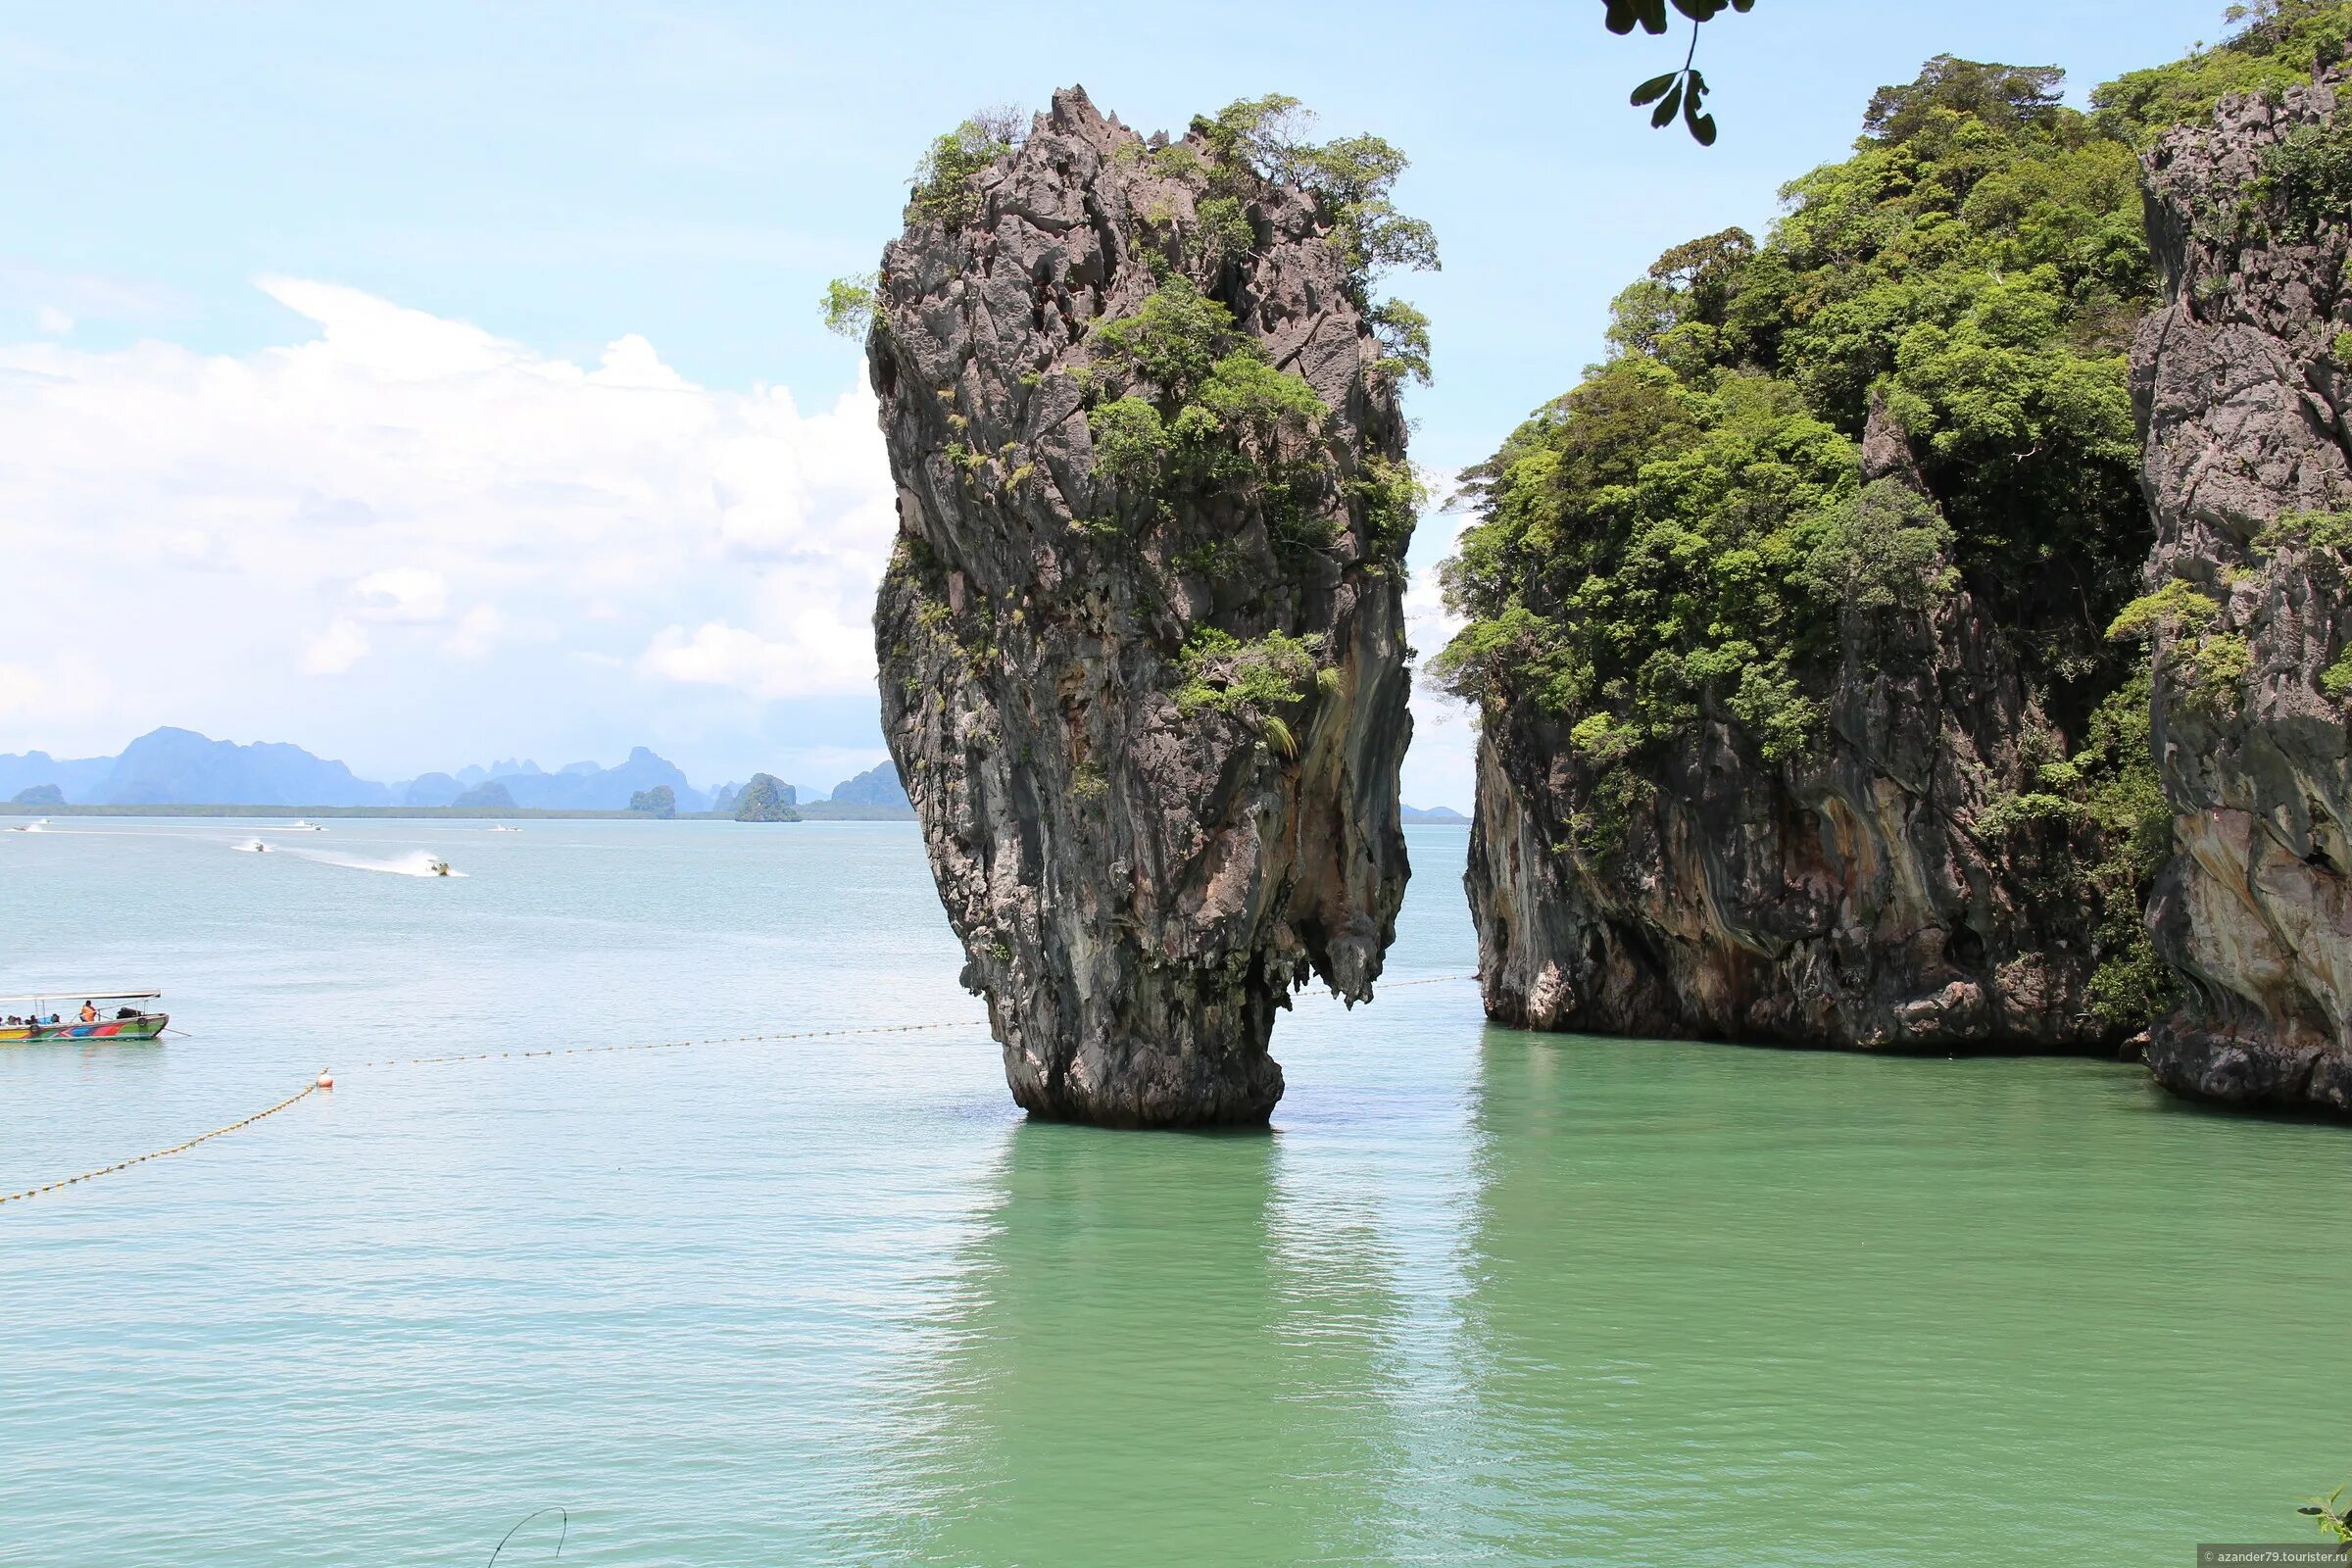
672,1045
176,1149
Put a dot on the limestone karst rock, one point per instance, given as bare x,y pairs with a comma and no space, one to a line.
1143,663
765,798
1849,897
2242,380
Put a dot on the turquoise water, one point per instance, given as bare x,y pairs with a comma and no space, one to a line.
1480,1296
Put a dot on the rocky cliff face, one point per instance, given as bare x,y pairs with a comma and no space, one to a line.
1859,897
2241,381
1141,650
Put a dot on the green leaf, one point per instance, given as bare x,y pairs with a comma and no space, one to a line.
1668,107
1702,130
1650,91
1624,15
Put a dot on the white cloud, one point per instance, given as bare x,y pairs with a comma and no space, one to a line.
402,592
446,519
819,654
477,631
52,320
335,650
20,689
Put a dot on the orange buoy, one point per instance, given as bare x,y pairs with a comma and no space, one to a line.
327,1080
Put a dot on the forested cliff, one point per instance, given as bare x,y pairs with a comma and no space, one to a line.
1807,631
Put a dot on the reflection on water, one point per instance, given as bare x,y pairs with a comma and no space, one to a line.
1146,1348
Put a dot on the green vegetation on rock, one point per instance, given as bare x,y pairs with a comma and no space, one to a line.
1220,416
849,304
942,191
1264,138
2278,44
1684,530
1253,680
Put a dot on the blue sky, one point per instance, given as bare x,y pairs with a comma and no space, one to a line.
447,379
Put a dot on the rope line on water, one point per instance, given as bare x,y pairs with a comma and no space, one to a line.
672,1045
750,1040
176,1149
550,1051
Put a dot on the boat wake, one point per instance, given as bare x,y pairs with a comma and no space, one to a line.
42,826
422,862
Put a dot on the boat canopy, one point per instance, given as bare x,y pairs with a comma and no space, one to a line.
86,996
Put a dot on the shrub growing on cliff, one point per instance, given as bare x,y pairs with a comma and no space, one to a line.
1221,418
1252,681
2177,618
943,190
1265,139
848,304
2308,174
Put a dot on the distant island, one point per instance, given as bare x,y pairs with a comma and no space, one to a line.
182,772
1432,813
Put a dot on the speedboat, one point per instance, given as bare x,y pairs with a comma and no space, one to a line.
35,1020
300,826
41,825
437,867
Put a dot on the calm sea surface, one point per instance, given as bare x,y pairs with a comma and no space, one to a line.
1480,1296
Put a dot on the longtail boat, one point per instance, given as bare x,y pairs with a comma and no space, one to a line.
26,1020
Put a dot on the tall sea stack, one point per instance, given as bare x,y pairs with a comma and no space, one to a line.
2242,381
1143,662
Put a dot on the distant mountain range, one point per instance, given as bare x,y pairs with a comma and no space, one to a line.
181,767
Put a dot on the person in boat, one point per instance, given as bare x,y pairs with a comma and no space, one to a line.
89,1014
